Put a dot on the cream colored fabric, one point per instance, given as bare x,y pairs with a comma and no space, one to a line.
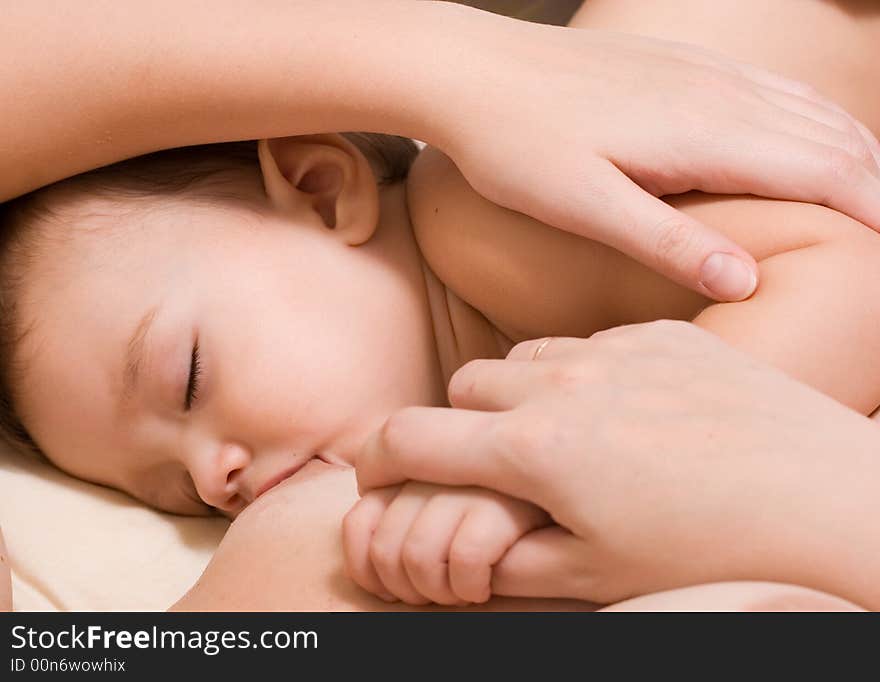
77,546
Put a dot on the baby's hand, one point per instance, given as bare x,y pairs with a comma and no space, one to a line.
424,543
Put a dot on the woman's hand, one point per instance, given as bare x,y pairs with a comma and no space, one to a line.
584,130
549,121
666,458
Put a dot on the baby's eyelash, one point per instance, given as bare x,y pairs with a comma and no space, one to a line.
192,386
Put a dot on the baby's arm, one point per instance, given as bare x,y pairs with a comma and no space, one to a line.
424,543
816,314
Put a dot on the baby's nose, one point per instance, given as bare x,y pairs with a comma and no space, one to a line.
217,476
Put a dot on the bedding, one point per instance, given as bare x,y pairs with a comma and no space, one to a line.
77,546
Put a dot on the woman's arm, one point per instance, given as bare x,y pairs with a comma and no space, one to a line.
86,85
92,83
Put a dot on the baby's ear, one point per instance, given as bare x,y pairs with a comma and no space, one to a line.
326,174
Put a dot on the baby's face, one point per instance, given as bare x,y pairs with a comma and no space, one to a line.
198,356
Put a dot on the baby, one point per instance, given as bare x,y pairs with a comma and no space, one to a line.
194,326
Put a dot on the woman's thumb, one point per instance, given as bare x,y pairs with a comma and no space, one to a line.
619,213
683,249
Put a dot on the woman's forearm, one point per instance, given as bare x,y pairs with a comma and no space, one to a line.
821,526
89,83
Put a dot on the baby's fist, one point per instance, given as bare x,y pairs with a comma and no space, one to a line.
424,543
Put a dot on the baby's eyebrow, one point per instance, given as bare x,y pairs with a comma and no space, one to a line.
135,354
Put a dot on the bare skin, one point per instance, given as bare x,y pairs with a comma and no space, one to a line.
210,85
288,543
490,307
811,259
796,227
666,481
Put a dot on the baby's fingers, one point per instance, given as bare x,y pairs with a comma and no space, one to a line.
386,547
426,549
358,527
483,537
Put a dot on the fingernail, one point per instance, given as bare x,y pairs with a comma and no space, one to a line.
727,277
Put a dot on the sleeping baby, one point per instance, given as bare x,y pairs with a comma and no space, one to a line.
195,325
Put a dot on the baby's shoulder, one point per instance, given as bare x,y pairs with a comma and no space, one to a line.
768,227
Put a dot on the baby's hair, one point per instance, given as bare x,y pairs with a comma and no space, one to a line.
199,173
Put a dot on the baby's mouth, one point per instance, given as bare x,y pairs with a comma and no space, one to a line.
288,473
280,477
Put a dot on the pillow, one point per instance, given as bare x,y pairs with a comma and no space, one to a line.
78,546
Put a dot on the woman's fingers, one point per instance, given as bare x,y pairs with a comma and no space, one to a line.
815,163
466,445
494,385
546,348
440,445
775,88
827,125
812,172
491,385
778,83
612,146
659,236
873,143
497,385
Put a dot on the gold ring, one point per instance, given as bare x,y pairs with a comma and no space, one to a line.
541,347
